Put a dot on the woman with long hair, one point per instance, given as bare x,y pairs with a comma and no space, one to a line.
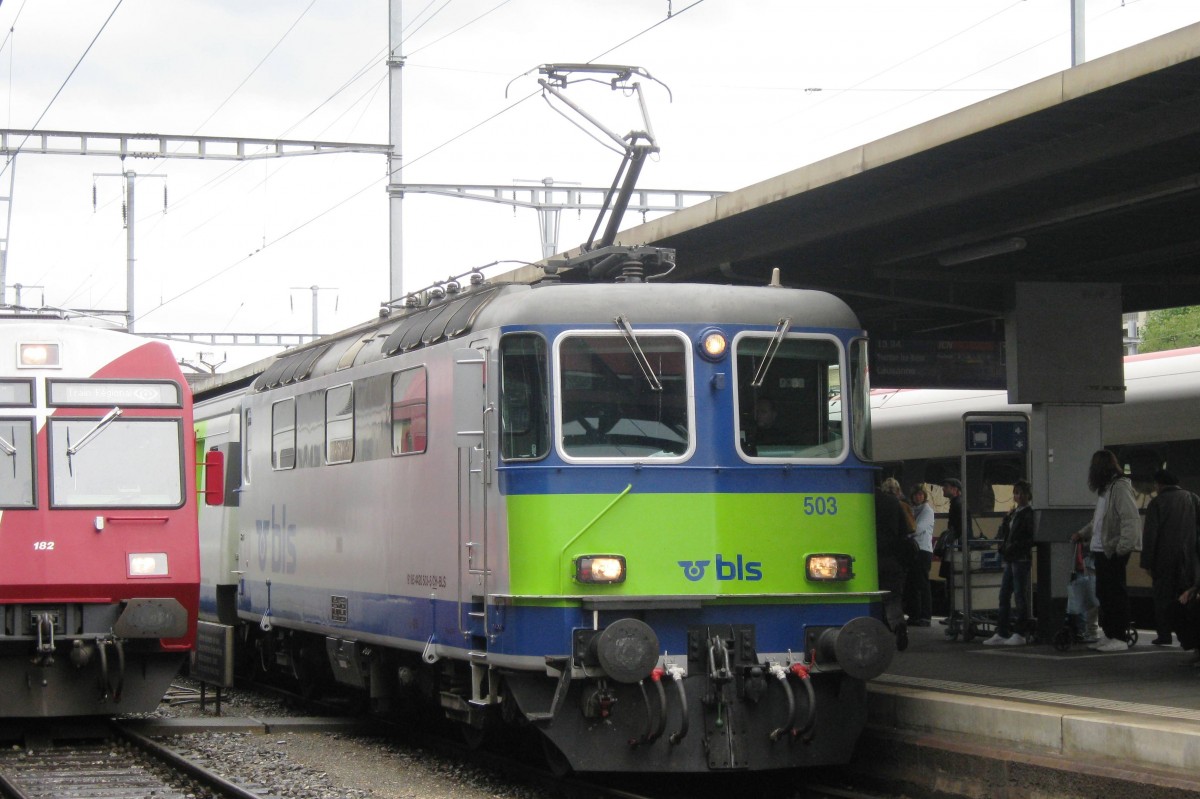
1111,536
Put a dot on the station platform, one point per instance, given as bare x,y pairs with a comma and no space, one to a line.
1130,717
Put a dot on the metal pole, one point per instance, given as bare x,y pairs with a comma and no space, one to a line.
1077,31
395,63
315,289
12,177
130,178
548,218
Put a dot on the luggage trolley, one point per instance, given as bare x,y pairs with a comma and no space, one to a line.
976,565
974,599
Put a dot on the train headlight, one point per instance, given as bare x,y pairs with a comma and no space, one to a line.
600,569
148,564
38,355
829,568
713,344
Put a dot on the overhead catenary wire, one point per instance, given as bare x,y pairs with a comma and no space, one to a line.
969,75
409,162
66,80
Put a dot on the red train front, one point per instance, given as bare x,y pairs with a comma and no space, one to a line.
99,574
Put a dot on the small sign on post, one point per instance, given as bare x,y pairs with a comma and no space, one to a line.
212,661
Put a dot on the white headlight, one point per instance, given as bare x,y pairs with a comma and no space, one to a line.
148,564
600,569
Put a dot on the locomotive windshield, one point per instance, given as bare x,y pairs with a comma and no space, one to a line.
624,397
16,463
126,464
789,397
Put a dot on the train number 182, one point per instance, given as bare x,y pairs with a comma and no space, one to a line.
43,546
820,506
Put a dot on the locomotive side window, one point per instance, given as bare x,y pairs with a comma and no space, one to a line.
524,404
622,402
116,463
410,401
339,424
16,463
859,399
789,397
247,447
283,434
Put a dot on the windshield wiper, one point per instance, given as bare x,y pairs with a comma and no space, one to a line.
7,448
95,431
772,348
638,355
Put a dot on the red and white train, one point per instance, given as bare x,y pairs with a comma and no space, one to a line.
99,561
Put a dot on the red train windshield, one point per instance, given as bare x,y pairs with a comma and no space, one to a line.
118,464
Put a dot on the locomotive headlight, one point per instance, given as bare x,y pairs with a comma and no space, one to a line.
713,344
148,564
829,568
38,354
600,569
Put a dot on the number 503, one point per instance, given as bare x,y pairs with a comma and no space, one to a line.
820,506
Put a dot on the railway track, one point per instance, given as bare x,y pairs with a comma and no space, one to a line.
129,766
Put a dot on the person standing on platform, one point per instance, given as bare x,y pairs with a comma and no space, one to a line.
951,538
1111,537
916,586
891,531
1189,600
1016,548
1170,527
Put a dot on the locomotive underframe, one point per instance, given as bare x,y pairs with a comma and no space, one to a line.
721,706
63,659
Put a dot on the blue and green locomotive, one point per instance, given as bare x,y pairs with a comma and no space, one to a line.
635,516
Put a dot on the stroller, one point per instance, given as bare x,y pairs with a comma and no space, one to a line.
1081,599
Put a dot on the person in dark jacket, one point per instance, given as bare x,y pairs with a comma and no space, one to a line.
950,540
1170,526
892,530
1189,604
1016,549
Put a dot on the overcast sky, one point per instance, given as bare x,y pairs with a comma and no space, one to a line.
757,88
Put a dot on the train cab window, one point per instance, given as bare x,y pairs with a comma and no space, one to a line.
339,424
410,401
16,393
16,463
789,397
110,462
624,397
283,434
524,404
855,400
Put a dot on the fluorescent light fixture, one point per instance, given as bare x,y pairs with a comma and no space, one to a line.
981,251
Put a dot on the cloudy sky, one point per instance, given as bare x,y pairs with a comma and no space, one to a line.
756,88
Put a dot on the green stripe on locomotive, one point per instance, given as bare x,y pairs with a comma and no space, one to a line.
753,543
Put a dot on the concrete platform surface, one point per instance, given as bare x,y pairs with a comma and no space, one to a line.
1139,708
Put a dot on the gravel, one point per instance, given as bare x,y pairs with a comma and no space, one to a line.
327,765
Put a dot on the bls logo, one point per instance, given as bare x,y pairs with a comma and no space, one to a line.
279,537
739,569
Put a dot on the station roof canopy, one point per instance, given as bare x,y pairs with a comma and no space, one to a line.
1088,175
